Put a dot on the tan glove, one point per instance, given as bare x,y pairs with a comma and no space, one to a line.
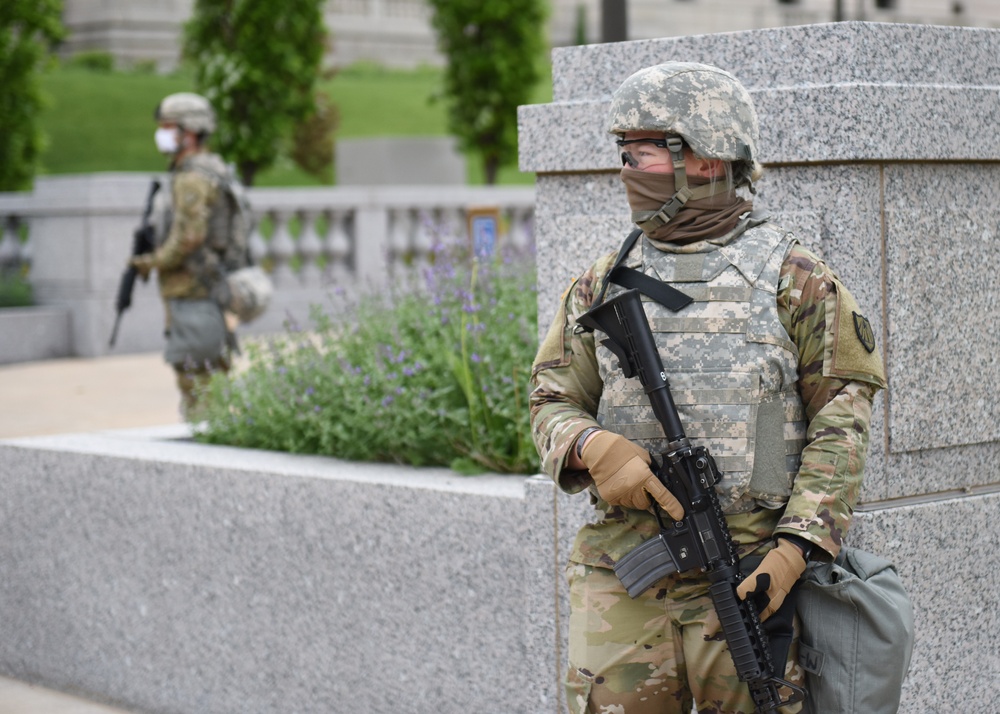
620,469
775,576
143,263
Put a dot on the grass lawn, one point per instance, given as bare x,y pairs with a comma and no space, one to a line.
104,121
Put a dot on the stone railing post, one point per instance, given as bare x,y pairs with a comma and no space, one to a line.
883,154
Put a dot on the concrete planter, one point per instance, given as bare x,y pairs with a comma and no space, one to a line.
150,571
146,570
34,333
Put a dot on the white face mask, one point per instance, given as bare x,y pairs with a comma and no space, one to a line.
166,140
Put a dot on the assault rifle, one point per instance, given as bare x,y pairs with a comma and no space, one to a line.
701,540
142,242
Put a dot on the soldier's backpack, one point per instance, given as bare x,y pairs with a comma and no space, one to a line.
245,289
857,635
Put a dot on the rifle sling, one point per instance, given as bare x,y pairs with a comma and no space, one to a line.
668,296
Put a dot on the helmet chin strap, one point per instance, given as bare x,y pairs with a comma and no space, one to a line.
683,193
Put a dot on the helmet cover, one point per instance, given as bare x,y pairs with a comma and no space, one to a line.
192,112
704,105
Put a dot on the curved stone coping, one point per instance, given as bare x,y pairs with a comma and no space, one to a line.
173,444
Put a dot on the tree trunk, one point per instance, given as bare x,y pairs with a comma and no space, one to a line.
491,165
248,171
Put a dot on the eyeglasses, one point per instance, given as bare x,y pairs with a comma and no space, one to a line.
643,153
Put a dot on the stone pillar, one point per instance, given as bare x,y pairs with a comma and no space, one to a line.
882,149
80,246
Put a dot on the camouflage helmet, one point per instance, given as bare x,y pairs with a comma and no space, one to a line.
191,112
704,105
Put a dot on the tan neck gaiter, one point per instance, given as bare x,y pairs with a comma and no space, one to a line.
699,218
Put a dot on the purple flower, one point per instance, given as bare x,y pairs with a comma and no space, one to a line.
476,358
387,400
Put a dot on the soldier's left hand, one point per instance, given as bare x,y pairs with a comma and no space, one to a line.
774,577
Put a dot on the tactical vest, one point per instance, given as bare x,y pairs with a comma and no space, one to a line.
731,365
225,248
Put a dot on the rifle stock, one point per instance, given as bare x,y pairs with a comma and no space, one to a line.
142,242
701,540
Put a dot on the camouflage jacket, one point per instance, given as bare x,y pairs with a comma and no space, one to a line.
185,262
838,380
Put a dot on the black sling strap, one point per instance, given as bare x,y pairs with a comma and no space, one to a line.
670,297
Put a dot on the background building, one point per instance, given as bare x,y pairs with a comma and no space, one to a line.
398,33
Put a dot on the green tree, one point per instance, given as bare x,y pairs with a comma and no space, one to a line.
28,31
493,49
258,62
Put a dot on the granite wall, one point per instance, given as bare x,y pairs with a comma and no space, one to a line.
882,151
168,577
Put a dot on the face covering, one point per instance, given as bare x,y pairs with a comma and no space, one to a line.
166,140
700,218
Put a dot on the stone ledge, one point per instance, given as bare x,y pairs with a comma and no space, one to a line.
169,576
155,573
34,333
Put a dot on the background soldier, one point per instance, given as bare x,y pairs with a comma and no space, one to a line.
772,367
191,245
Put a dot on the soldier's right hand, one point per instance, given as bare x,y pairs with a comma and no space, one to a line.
143,264
620,469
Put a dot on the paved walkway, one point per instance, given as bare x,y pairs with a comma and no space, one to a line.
77,395
80,394
21,698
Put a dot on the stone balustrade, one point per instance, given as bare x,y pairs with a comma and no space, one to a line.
71,237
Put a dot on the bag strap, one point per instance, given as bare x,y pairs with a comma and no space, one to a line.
667,295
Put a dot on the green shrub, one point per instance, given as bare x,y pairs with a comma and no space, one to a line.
433,373
15,291
145,67
94,60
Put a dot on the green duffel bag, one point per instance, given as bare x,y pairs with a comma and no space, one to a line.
857,635
197,332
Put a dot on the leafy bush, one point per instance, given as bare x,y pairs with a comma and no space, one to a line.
258,63
433,373
493,51
28,32
15,291
94,60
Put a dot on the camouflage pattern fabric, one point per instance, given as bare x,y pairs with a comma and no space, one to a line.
837,398
188,266
662,652
186,262
733,370
705,105
192,379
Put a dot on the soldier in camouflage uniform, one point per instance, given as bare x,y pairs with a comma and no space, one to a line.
772,367
191,245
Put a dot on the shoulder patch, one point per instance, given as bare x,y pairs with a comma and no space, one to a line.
863,329
851,349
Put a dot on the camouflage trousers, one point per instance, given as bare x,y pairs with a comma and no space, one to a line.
192,380
661,653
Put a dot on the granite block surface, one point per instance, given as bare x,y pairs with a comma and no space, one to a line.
805,55
175,577
945,554
943,307
852,91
